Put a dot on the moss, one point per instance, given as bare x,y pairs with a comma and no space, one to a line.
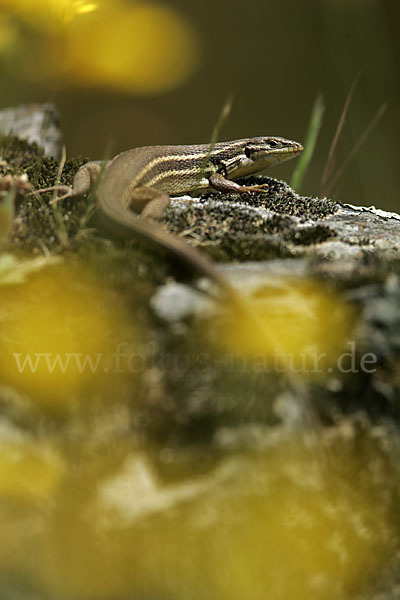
315,234
38,224
27,157
130,268
21,156
279,198
232,228
247,248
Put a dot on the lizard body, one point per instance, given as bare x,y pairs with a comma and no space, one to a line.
135,188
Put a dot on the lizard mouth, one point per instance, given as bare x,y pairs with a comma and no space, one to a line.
289,152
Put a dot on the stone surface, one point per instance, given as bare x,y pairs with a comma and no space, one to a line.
36,123
280,222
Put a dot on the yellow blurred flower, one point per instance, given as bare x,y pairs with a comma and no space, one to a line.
135,47
58,333
49,12
66,10
146,48
8,34
29,470
296,521
303,327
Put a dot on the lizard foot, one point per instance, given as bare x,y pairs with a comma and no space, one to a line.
262,187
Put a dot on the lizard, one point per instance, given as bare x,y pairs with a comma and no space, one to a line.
134,189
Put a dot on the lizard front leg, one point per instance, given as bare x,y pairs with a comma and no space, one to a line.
220,183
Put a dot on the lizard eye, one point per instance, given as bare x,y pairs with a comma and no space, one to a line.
273,144
248,152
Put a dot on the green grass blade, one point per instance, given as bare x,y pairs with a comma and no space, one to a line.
225,112
309,144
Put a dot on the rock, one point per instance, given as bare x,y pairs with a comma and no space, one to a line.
36,123
281,223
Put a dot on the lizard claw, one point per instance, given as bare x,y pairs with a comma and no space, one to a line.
262,187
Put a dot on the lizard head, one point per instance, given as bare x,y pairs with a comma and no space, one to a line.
267,151
252,155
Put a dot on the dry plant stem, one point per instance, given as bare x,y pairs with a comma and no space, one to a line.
58,188
354,151
59,172
331,154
